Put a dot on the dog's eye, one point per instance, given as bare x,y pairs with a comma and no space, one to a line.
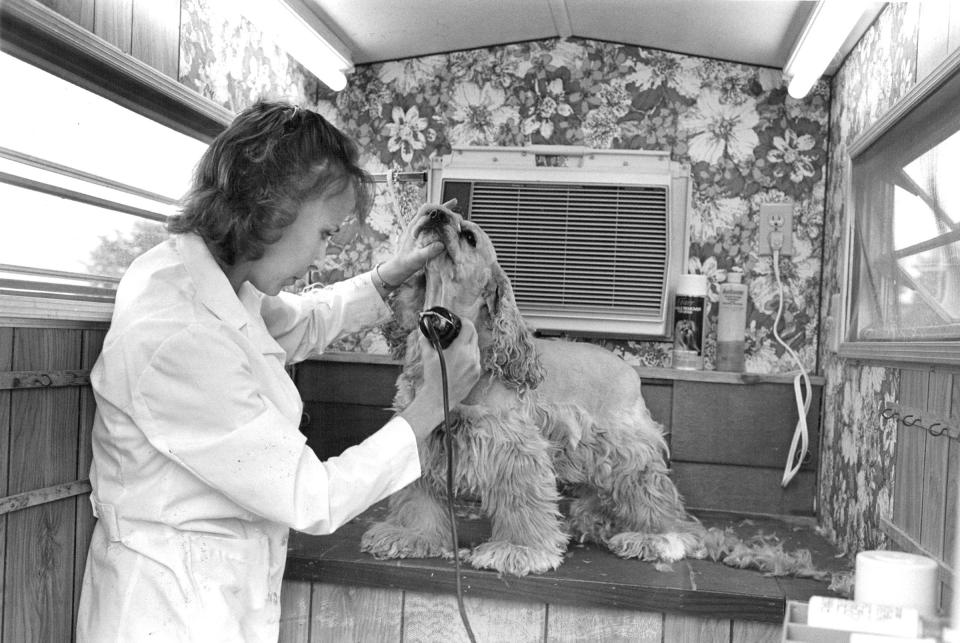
470,238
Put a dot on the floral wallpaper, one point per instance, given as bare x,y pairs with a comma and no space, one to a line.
747,143
856,470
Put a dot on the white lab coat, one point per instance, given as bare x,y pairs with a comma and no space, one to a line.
199,468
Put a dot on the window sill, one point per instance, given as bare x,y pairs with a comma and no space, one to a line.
646,373
926,353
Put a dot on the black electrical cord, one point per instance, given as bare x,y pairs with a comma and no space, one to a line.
435,342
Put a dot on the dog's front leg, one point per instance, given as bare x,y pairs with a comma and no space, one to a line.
416,526
519,493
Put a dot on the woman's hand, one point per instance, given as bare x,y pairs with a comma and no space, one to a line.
462,359
410,256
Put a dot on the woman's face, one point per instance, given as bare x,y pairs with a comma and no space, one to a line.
302,243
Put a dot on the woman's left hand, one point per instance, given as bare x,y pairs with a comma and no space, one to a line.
410,256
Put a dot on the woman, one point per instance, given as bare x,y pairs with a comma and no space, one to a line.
199,469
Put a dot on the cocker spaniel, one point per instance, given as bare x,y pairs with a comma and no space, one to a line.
548,416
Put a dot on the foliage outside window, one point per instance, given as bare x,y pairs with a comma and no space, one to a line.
905,287
86,185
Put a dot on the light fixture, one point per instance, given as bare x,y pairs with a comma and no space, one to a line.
303,36
828,26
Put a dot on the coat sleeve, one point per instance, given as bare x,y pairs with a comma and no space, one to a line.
305,324
199,404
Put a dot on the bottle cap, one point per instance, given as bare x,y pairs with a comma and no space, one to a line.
735,276
691,284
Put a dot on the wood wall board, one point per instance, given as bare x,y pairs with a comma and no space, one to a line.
295,612
92,344
53,43
155,35
687,629
431,617
43,451
569,624
750,632
713,423
335,427
347,382
343,613
953,30
6,359
113,21
80,12
933,35
910,450
742,489
951,499
659,399
935,463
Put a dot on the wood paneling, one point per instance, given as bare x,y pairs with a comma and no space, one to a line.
80,12
295,612
911,447
90,350
6,357
713,422
113,21
431,617
342,613
156,35
749,632
935,462
743,489
567,624
933,34
684,629
39,575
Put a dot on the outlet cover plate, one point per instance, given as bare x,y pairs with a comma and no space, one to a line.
769,214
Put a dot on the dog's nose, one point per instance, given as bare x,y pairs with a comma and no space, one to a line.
438,217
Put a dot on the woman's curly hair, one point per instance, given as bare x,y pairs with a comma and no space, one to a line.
251,181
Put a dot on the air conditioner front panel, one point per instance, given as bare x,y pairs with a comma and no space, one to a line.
589,250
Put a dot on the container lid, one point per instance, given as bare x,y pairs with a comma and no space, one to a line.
691,284
735,276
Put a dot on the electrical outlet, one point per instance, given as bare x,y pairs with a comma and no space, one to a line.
776,217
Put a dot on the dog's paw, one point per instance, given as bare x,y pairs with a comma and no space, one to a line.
667,548
385,540
518,560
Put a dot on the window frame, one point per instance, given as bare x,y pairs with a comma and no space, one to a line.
43,38
917,352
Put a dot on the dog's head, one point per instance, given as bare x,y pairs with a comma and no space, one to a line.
467,280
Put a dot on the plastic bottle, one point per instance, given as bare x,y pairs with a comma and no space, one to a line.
689,316
731,323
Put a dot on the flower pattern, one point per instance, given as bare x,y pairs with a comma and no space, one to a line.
747,143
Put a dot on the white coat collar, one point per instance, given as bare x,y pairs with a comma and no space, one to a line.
213,287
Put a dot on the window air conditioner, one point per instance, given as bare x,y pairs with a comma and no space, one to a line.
592,240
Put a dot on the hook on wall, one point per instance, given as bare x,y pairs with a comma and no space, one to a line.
935,429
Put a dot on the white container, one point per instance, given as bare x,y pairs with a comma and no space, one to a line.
897,578
731,323
689,319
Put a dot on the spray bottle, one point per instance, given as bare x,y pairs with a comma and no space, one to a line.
731,323
689,317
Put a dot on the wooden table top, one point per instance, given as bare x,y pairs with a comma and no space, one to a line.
589,576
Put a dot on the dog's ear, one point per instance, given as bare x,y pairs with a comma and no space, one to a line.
512,356
406,303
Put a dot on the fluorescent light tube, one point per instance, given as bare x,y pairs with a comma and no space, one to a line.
300,39
828,26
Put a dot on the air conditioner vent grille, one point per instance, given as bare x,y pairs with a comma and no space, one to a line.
597,248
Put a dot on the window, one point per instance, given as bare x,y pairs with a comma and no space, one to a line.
905,280
85,185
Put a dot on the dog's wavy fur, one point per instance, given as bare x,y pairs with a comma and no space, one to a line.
547,416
